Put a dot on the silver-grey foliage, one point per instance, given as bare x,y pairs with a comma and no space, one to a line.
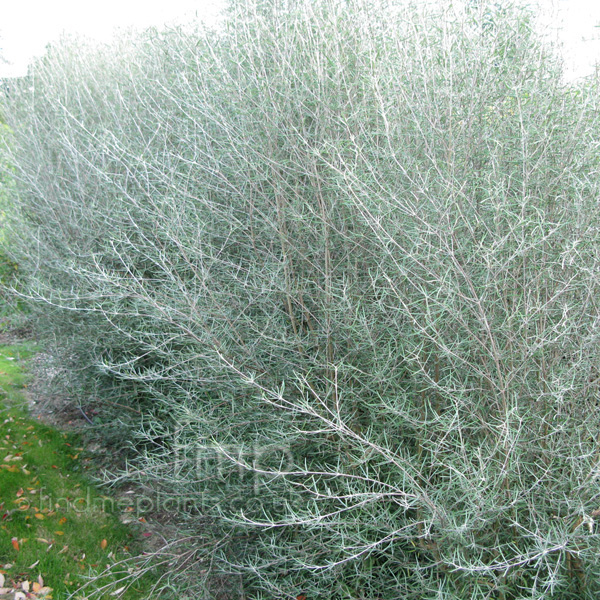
343,258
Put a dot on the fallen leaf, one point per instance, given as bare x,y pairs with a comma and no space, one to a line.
103,544
11,458
39,516
15,543
119,591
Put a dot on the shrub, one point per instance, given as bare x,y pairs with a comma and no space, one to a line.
8,268
341,258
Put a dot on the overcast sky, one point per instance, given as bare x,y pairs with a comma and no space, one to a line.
577,25
26,26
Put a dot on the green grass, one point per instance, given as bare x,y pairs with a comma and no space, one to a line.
56,529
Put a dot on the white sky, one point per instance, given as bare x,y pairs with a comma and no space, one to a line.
576,24
26,26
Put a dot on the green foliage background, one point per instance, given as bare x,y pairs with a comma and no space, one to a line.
341,260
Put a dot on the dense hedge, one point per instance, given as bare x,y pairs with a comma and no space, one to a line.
8,268
342,258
